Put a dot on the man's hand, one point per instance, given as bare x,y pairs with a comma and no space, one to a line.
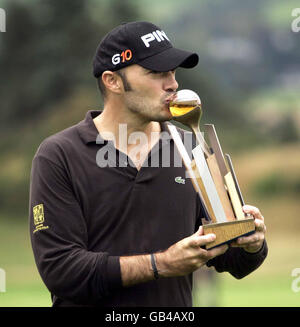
253,242
187,255
180,259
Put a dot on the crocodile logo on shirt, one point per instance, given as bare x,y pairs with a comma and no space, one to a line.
179,180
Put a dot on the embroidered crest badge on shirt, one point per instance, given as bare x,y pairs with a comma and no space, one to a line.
39,217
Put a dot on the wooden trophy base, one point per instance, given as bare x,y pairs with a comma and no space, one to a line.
228,231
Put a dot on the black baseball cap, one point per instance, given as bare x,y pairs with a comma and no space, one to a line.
141,43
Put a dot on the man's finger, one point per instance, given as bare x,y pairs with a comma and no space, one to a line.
253,211
200,231
259,225
218,250
200,240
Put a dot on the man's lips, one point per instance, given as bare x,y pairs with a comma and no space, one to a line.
170,99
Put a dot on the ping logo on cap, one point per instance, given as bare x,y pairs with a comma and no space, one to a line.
155,35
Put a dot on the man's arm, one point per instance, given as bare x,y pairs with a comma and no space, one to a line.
180,259
59,237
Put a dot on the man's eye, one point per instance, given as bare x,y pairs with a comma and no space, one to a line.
154,72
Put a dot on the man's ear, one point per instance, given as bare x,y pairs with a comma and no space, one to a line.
112,82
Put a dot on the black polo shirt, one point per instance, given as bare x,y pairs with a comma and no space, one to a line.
83,217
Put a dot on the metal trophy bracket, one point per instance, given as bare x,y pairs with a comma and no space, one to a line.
211,172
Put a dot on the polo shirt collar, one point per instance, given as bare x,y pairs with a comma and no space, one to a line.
87,129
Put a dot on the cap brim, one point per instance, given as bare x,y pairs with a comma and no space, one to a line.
170,59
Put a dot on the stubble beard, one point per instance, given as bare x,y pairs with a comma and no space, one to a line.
147,110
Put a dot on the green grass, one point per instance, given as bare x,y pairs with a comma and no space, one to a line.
272,291
252,291
26,295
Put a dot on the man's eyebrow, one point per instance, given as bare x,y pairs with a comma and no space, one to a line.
149,70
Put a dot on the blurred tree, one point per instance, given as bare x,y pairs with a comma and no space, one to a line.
285,131
41,55
48,51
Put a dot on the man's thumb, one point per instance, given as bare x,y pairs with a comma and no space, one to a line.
200,231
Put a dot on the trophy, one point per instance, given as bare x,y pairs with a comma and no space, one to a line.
211,173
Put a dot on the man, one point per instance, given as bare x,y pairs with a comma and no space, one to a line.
126,233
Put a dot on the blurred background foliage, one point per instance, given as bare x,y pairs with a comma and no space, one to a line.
248,79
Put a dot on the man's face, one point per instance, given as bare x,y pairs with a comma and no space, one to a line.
149,93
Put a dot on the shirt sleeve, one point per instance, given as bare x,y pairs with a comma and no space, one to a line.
238,262
59,239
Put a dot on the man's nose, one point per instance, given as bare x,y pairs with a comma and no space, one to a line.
171,84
